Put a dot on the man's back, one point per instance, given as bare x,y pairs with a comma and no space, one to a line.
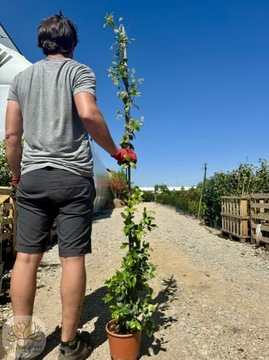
53,132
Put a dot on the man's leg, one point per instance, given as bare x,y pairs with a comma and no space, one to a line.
73,286
23,283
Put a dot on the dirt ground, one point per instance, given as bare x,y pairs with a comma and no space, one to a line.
202,312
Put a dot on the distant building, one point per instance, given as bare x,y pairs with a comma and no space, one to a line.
171,188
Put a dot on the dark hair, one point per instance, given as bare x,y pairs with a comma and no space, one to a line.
57,34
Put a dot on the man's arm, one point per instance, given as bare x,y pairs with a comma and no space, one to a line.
13,137
94,121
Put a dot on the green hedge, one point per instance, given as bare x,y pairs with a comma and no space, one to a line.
186,201
148,196
246,179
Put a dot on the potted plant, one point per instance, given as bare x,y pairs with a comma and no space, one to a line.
128,290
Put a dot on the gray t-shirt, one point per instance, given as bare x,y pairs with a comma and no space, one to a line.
53,132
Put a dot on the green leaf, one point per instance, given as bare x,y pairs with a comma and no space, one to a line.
108,298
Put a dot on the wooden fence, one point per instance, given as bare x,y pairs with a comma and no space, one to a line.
259,208
246,218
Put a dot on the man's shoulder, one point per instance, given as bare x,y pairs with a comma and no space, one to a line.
80,65
28,70
81,70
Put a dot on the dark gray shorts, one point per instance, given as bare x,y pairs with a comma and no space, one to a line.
51,195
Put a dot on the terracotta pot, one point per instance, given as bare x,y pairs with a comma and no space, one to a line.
123,347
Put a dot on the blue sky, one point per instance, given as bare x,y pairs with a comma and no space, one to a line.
206,76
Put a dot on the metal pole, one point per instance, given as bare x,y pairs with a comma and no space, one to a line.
202,192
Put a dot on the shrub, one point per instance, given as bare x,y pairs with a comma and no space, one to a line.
148,196
184,200
118,184
5,173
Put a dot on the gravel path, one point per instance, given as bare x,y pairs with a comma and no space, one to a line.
212,294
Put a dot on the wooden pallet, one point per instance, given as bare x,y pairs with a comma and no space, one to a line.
8,216
259,206
235,217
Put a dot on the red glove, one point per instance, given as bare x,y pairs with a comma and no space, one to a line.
125,155
15,181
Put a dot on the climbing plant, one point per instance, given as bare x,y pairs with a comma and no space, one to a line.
128,289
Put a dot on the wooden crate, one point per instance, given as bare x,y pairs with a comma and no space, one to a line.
235,217
259,206
8,216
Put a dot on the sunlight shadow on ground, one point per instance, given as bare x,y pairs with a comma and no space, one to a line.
94,308
163,301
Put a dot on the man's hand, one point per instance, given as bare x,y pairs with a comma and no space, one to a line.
14,183
124,156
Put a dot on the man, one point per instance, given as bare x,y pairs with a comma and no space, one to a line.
52,105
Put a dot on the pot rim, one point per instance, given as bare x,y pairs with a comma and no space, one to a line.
119,335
